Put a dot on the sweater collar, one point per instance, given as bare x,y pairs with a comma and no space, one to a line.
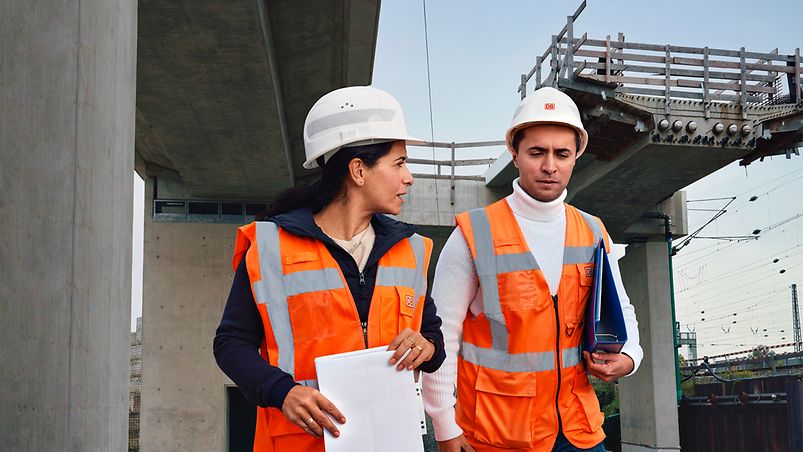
388,232
524,205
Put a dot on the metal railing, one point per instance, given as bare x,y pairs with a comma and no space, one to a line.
701,73
453,163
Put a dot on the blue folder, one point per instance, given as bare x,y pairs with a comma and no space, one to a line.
605,325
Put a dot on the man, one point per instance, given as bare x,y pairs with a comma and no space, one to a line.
511,286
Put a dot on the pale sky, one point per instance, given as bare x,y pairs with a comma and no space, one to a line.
477,51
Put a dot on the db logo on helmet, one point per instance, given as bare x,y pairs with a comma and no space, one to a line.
549,106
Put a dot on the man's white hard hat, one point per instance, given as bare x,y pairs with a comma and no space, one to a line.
547,106
352,116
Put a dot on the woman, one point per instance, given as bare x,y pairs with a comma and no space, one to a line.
327,273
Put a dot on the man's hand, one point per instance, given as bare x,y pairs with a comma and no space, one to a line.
455,445
613,365
307,408
420,349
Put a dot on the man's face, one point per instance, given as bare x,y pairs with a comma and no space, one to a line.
545,158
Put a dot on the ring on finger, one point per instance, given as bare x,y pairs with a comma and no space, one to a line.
419,348
310,420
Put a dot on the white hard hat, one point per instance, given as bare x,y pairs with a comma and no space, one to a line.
352,116
547,106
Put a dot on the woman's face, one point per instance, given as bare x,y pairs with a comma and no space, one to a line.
387,181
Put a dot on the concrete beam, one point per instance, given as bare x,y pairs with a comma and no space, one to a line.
654,228
433,202
186,279
66,165
648,400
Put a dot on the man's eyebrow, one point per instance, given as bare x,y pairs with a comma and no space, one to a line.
543,149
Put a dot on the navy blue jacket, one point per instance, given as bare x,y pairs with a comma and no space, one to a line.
240,334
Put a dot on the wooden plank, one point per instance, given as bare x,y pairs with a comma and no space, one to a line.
667,82
743,82
682,94
706,81
657,70
554,63
757,66
757,88
538,63
568,59
682,83
607,58
682,49
630,79
523,86
621,56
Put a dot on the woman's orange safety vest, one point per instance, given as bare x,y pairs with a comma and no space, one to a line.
307,310
520,374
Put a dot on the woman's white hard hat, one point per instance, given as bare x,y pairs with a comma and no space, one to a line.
547,106
352,116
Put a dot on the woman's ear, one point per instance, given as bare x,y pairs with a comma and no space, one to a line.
357,171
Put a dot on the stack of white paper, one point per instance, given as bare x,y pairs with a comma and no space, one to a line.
382,409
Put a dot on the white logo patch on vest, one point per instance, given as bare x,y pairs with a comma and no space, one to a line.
410,301
589,270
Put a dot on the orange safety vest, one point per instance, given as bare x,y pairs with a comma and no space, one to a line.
520,374
307,310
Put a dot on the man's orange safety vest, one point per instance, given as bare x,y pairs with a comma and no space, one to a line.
308,311
520,374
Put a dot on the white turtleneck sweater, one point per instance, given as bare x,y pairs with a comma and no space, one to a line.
456,291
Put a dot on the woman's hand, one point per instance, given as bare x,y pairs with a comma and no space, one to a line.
307,408
421,350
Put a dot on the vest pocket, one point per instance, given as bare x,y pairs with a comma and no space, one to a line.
312,316
504,405
574,312
588,414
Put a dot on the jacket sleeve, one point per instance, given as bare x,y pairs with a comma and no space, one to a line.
454,289
431,330
236,347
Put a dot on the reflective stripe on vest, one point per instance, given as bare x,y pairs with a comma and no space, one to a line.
413,278
518,362
489,266
275,287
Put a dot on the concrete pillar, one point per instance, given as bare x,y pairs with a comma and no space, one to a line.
648,402
186,280
67,83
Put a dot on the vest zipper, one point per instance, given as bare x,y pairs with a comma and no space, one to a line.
364,324
557,359
365,333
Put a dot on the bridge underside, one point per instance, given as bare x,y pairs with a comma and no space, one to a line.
223,88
